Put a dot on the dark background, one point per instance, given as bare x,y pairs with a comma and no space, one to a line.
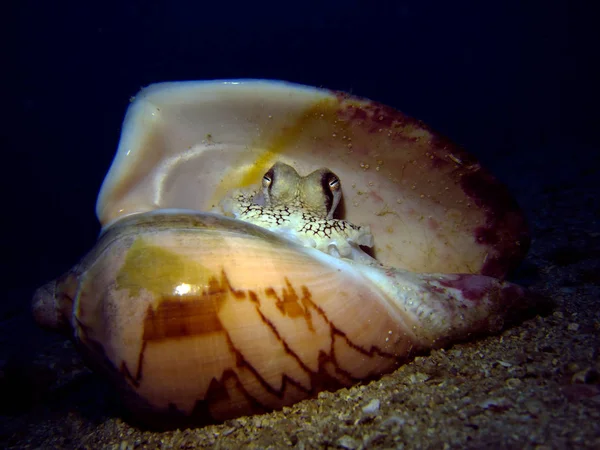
511,81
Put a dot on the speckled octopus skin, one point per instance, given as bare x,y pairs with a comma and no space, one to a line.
172,307
301,208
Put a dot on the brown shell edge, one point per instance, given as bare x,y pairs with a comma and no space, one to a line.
506,230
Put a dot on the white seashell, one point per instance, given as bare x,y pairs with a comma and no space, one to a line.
198,317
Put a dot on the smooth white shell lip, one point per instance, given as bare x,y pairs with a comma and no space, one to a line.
159,212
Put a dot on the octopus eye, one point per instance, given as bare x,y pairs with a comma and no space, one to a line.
334,183
267,179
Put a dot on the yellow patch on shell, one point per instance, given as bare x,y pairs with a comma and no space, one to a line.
160,271
241,175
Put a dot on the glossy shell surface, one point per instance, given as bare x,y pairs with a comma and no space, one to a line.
430,205
200,318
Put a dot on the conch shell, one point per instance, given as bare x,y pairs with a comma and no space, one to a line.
198,317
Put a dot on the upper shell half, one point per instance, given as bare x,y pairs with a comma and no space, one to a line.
431,207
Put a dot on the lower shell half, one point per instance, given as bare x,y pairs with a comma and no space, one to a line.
199,318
